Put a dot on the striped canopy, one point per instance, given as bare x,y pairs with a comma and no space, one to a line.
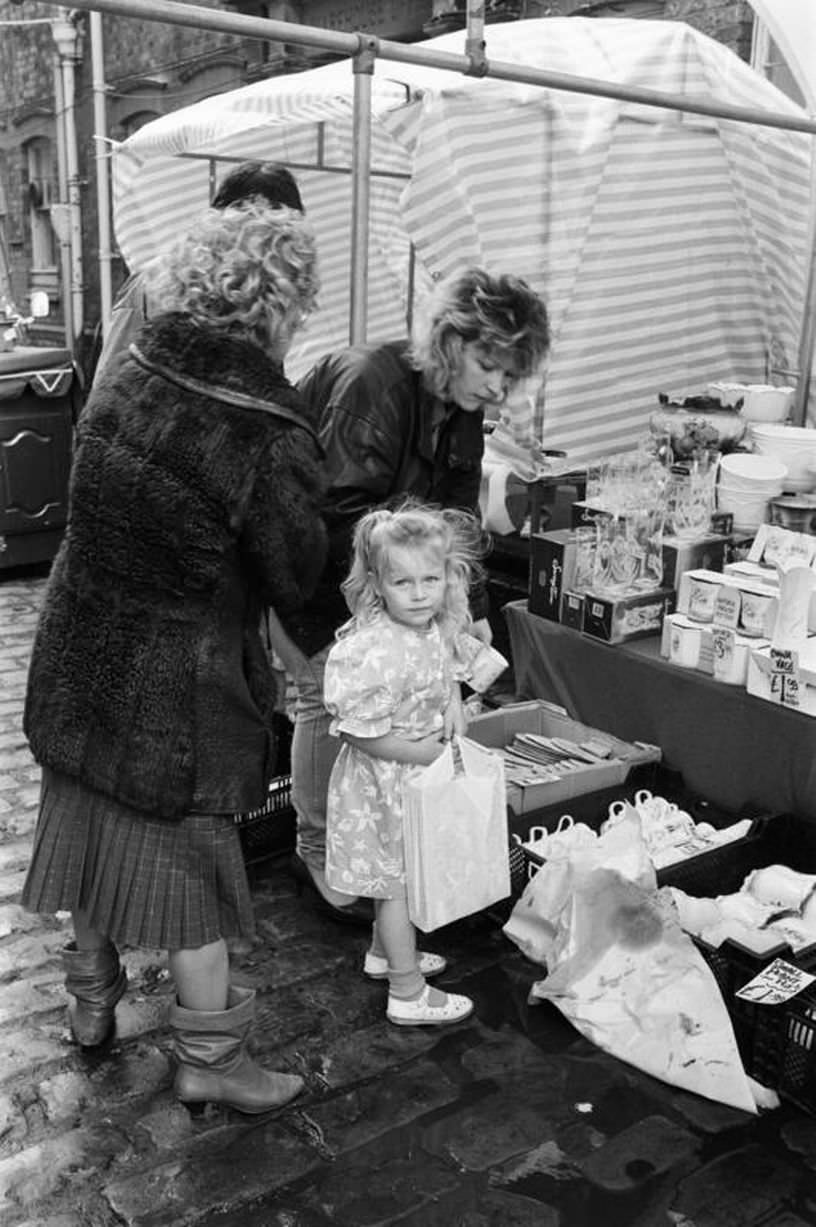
672,249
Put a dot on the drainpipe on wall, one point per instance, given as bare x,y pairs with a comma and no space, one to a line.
66,37
59,213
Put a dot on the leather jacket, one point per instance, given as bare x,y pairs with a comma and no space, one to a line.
377,422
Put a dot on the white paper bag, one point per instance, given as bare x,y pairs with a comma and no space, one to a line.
457,855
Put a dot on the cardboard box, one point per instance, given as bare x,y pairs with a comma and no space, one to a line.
497,729
691,645
572,610
583,513
758,573
773,543
552,570
746,587
617,619
796,689
680,556
753,572
738,546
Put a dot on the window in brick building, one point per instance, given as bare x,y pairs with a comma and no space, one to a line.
42,193
767,58
132,123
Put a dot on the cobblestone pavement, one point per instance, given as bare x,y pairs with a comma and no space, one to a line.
507,1120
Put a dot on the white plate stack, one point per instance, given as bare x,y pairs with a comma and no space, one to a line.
746,484
793,446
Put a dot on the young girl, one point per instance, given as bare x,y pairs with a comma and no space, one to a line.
392,687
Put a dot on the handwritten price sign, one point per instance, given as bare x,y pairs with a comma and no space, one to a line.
778,982
785,677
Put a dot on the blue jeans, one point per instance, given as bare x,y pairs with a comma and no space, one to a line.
313,753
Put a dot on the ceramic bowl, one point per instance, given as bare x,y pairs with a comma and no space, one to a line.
794,446
764,403
796,512
751,471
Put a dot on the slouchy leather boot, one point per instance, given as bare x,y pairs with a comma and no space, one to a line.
213,1064
96,980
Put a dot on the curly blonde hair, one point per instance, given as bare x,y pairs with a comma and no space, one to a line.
455,537
502,314
250,269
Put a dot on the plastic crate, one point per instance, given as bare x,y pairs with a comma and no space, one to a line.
772,839
269,830
777,1043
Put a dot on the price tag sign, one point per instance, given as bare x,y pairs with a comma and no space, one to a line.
727,606
722,640
776,983
785,676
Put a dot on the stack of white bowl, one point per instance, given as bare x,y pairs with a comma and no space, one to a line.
761,402
746,484
793,446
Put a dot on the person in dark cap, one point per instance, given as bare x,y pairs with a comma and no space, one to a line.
268,180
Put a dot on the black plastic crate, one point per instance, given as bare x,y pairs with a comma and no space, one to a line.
777,1043
796,1063
270,829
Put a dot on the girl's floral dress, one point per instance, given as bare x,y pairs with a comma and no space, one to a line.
381,678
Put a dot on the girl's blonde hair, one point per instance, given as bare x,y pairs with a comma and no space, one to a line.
457,536
249,269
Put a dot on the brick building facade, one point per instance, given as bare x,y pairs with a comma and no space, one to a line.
151,69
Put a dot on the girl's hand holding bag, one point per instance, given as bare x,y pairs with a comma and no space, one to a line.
457,855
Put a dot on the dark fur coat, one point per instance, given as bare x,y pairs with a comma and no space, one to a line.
149,680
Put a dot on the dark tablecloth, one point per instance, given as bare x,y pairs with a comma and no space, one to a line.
730,747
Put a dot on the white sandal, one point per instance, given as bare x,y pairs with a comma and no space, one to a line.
419,1012
376,965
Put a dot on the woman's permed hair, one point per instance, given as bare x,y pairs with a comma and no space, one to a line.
249,269
501,313
456,535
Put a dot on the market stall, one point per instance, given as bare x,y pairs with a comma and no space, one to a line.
36,436
665,222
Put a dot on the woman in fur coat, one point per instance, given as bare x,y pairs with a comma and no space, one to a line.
195,496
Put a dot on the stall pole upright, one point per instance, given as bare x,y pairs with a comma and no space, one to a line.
361,190
807,335
475,41
101,164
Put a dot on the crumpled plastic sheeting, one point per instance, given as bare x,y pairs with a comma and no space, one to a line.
624,973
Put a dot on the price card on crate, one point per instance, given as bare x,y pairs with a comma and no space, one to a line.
785,676
777,982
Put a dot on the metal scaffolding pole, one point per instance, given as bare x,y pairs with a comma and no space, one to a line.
170,12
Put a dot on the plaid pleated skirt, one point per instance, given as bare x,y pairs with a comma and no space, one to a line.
142,880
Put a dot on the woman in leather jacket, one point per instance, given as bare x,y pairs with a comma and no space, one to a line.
399,419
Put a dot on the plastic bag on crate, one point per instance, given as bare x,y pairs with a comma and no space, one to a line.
457,854
621,847
624,973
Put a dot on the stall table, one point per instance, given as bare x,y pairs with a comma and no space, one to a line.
36,433
730,747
